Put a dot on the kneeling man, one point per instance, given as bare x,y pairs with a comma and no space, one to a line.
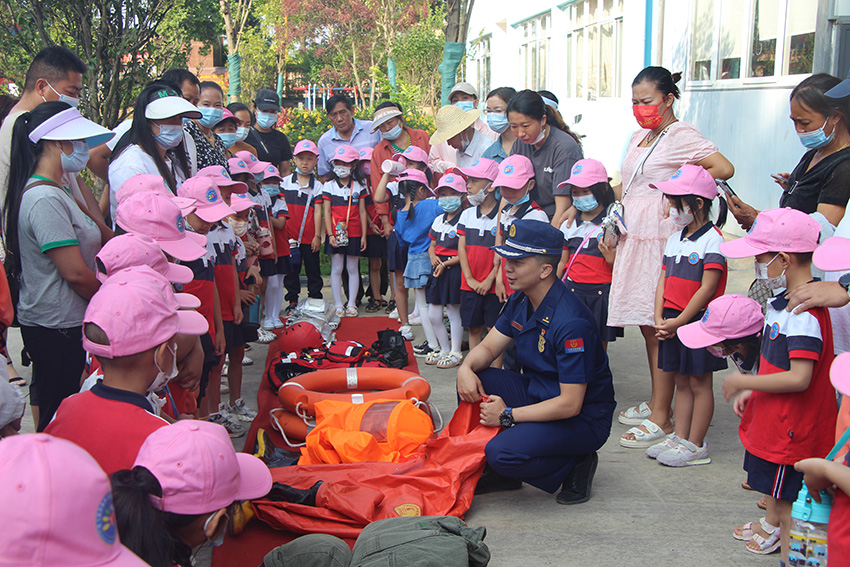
557,412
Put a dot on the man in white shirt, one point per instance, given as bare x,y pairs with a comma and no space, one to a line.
443,156
455,128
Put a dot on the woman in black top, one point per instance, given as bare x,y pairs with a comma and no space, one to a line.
821,180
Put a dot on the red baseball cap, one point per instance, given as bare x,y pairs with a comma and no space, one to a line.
514,172
689,180
586,172
209,206
730,316
776,230
158,217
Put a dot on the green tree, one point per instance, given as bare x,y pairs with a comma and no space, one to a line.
418,51
457,26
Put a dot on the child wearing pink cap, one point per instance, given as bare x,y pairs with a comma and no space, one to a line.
303,195
345,226
131,326
176,497
514,183
57,507
476,229
790,410
586,264
443,289
225,129
693,273
274,268
376,241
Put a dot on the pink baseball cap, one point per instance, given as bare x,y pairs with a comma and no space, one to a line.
222,178
689,180
834,254
305,146
147,183
227,115
585,173
269,172
514,172
482,168
158,217
254,164
776,230
241,202
130,250
346,154
412,153
366,153
237,166
453,181
136,313
730,316
174,299
198,469
413,175
209,206
57,506
839,373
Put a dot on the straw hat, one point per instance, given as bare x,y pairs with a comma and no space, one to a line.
451,121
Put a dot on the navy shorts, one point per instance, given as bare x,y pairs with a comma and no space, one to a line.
779,481
396,253
232,336
376,246
595,296
351,249
673,356
279,267
444,290
479,310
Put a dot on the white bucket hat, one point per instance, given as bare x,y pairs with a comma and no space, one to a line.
452,120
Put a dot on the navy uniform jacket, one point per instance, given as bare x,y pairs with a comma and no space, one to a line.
559,344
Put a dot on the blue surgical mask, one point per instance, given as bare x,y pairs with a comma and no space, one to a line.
393,133
449,204
273,190
78,159
210,116
170,136
298,169
74,102
522,200
585,203
465,105
228,139
816,138
266,119
498,122
497,193
241,133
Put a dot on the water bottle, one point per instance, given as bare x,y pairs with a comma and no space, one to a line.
809,523
392,167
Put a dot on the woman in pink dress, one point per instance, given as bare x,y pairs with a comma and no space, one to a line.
637,267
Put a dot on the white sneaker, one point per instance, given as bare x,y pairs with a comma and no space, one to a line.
393,314
670,442
225,389
278,324
239,410
268,324
226,420
406,333
224,368
685,454
247,361
414,320
265,337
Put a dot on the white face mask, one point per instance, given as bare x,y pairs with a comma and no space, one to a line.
478,198
162,378
240,227
73,101
683,218
241,133
342,171
777,283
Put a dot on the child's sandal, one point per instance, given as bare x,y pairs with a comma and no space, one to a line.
767,545
745,532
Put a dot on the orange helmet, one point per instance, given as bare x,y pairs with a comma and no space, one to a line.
299,336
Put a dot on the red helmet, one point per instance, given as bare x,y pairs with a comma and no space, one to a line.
299,336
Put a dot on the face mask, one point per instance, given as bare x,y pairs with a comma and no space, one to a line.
298,169
241,133
272,190
464,143
74,102
779,282
449,204
585,203
170,136
498,122
816,138
162,378
497,193
393,133
228,139
716,351
266,119
366,168
240,227
683,218
465,105
75,162
210,116
342,171
521,200
540,137
477,198
647,115
219,538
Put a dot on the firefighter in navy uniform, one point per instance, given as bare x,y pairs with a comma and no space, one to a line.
556,413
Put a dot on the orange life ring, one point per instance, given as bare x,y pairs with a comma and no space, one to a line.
293,429
300,394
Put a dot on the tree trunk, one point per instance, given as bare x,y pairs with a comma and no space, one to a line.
457,23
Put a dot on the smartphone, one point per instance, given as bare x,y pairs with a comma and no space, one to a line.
725,186
779,178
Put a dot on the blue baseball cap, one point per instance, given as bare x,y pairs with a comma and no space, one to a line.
531,238
840,90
